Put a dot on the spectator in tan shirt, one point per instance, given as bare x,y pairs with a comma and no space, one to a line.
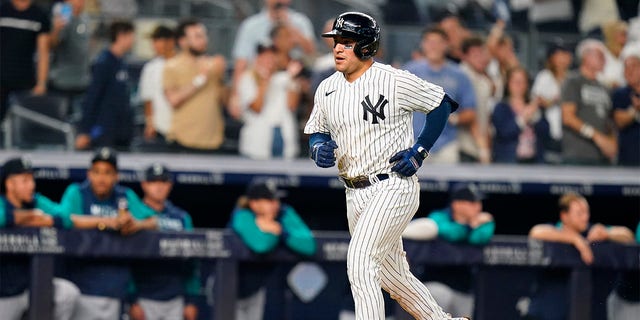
193,84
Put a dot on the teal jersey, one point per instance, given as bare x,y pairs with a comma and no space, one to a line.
39,202
78,199
295,233
450,230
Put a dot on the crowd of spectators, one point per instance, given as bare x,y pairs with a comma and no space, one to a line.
581,107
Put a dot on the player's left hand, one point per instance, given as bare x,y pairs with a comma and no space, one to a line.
407,162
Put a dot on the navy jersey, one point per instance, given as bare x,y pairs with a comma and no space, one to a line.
166,279
100,277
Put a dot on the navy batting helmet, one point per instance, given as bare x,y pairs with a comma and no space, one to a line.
360,27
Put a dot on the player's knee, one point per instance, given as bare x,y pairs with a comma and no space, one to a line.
65,292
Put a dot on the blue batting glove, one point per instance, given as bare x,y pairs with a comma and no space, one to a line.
408,161
323,154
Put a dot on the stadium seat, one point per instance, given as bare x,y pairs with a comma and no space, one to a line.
39,122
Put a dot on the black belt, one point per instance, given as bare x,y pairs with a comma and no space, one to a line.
362,181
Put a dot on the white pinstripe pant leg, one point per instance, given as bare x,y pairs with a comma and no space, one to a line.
406,289
377,216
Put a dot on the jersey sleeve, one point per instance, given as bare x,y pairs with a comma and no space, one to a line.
187,222
317,122
3,214
415,94
71,200
54,209
296,234
447,229
482,234
243,222
137,208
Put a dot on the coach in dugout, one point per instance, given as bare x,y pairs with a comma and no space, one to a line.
101,203
20,206
164,289
550,299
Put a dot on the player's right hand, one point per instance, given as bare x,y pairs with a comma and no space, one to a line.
323,154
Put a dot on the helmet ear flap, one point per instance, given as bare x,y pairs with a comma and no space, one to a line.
365,49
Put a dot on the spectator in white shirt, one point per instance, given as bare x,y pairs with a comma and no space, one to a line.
157,109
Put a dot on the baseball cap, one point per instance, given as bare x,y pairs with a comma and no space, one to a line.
106,154
157,172
264,190
14,166
466,192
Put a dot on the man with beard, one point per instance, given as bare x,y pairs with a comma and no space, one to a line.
193,84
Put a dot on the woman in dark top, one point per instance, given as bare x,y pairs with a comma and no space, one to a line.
519,128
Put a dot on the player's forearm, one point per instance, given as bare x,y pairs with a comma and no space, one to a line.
620,234
434,124
89,222
482,234
302,243
552,234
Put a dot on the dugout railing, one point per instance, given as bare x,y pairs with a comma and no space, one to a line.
225,250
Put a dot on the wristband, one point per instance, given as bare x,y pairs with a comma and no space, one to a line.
587,131
422,152
199,81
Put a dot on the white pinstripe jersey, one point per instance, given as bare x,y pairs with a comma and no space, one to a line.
371,118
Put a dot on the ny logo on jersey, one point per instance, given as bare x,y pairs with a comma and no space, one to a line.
368,107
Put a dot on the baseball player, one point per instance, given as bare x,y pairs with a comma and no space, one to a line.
21,206
164,289
97,203
362,120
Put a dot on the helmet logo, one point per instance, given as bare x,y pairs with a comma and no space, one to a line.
339,22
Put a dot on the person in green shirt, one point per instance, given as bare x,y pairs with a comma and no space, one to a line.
264,223
21,206
101,203
462,222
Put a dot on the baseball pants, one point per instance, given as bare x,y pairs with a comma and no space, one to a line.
97,308
252,307
451,300
162,310
377,216
621,309
64,302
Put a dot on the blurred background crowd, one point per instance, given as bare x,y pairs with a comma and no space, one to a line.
554,82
